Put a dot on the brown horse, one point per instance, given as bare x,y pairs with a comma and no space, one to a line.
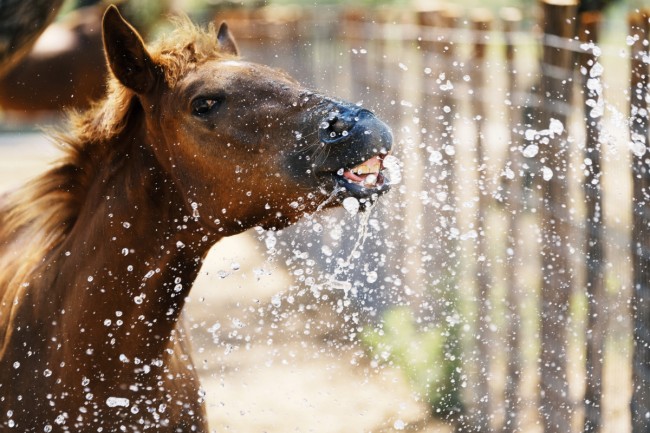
65,69
21,22
97,255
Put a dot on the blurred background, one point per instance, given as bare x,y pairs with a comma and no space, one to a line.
503,285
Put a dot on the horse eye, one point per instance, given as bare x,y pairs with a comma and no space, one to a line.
203,106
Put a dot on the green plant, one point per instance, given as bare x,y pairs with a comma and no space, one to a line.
428,357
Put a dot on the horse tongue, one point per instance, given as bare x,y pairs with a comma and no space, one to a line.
352,177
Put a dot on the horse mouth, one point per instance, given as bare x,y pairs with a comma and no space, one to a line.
368,179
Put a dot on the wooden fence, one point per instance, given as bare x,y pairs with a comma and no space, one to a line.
522,217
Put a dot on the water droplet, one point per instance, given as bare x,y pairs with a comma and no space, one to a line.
556,127
531,151
435,157
339,285
392,171
508,173
547,173
530,134
596,70
117,402
471,234
270,241
351,205
371,179
630,40
637,146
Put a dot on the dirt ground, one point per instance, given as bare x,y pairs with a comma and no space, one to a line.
264,368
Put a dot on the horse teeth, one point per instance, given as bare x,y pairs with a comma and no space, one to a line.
373,165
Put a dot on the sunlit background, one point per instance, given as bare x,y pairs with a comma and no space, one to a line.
502,284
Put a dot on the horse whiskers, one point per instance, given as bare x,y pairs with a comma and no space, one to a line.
307,147
320,155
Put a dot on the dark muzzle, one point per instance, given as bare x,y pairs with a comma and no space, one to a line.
353,134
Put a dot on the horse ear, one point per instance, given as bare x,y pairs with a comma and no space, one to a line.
226,40
126,54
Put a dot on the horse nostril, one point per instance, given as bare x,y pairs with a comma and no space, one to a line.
337,127
341,123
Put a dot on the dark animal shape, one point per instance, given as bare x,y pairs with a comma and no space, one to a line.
65,69
21,22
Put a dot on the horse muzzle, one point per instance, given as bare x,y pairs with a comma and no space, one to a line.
358,146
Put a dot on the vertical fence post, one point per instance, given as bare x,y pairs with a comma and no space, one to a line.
557,273
440,250
439,153
354,24
390,48
639,123
481,21
428,20
402,260
511,20
590,70
434,242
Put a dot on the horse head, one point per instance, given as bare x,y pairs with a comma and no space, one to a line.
246,144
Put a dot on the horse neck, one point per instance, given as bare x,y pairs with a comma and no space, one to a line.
130,259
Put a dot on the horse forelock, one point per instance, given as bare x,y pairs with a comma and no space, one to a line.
187,46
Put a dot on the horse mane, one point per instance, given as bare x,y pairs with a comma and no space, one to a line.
37,217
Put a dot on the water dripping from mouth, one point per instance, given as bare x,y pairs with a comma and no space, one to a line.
334,280
332,196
